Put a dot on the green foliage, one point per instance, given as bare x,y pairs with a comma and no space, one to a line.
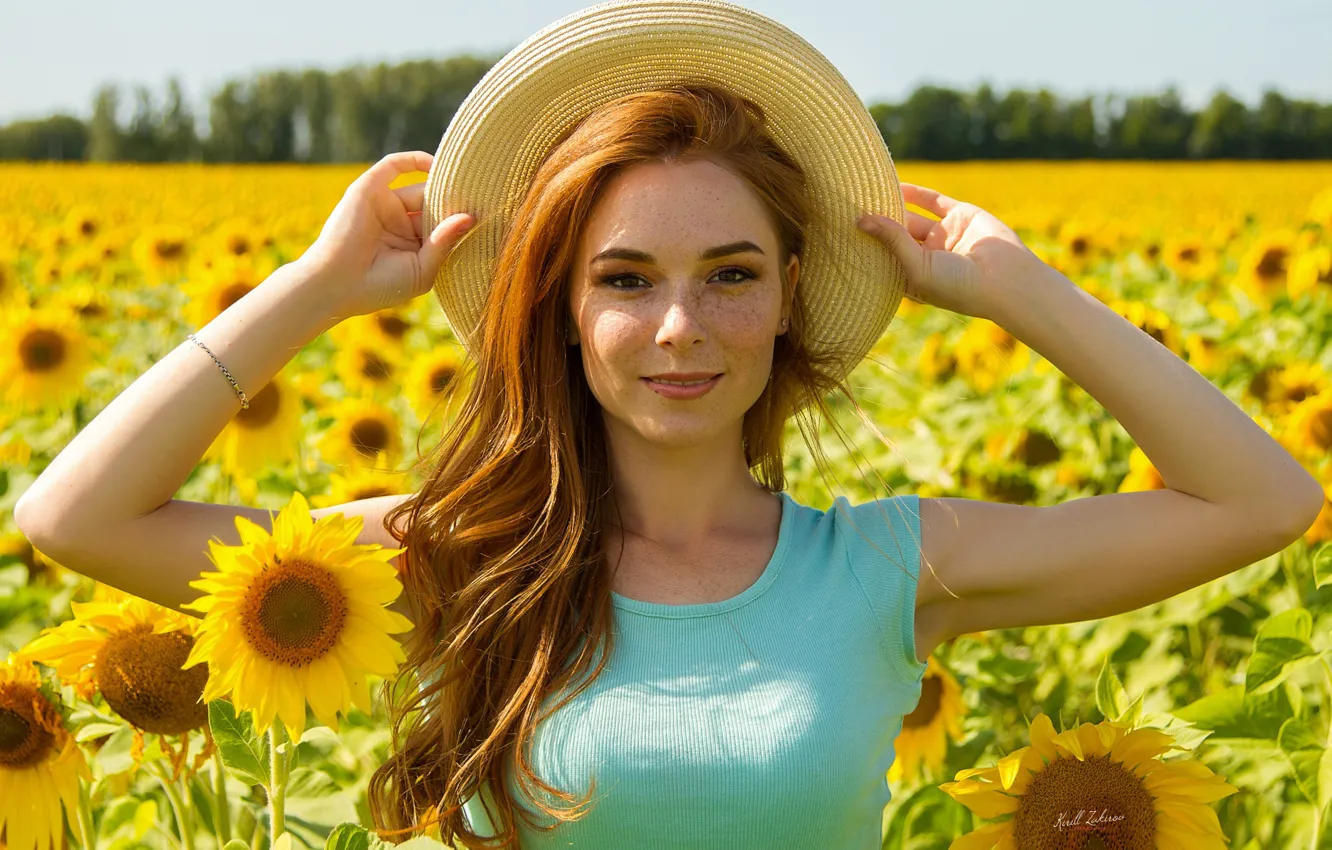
359,114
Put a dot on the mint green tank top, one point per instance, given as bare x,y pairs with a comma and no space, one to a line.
765,720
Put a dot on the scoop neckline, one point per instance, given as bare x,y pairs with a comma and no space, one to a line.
749,594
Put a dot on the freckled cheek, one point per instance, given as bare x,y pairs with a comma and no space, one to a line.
617,339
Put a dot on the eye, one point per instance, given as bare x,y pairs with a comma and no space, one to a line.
744,275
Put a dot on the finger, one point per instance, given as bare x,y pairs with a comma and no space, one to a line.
927,199
395,164
412,196
899,239
441,241
919,226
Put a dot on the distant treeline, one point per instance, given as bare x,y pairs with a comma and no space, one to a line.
359,114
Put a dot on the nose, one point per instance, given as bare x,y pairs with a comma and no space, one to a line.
681,326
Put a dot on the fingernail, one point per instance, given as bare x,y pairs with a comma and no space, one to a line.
867,224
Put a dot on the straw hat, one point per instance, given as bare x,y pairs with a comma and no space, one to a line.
851,283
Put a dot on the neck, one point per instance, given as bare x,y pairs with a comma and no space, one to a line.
679,496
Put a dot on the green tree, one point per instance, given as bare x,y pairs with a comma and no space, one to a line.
105,137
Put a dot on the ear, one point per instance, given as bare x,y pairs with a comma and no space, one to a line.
792,277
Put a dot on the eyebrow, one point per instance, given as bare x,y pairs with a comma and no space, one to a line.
711,254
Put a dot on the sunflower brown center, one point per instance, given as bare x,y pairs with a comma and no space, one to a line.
1037,448
294,613
169,249
1320,428
371,492
375,367
42,351
231,294
25,720
931,697
140,675
263,408
1272,264
1083,804
392,326
441,378
369,437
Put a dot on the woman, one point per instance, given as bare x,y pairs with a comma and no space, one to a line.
612,556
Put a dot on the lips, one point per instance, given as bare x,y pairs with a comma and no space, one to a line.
683,376
683,391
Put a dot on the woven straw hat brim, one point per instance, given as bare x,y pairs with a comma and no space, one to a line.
851,283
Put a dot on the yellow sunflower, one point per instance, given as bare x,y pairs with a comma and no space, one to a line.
1078,241
1264,267
1311,424
162,252
359,484
132,651
1311,271
86,301
209,293
298,616
1296,381
389,326
1099,778
923,741
82,224
435,377
44,356
361,361
1190,258
264,435
40,762
237,237
1206,354
361,430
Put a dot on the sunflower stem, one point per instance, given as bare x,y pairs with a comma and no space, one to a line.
277,795
85,816
177,808
222,816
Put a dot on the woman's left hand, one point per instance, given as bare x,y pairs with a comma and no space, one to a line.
968,262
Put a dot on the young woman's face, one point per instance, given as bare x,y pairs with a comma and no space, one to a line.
669,303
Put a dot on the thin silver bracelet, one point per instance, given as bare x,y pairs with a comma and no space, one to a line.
245,402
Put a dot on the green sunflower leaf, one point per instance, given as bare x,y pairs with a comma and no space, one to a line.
1282,639
348,836
243,752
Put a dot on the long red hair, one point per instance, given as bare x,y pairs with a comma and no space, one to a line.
506,579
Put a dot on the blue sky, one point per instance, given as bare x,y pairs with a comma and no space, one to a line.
54,55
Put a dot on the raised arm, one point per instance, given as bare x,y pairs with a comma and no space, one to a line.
104,506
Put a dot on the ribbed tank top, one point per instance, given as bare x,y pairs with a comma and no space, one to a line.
765,720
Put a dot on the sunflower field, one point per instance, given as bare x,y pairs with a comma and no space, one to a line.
1203,721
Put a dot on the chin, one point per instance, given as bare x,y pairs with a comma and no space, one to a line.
678,432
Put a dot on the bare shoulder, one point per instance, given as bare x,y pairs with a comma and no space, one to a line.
947,525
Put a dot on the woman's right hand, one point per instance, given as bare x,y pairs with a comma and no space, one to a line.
370,251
